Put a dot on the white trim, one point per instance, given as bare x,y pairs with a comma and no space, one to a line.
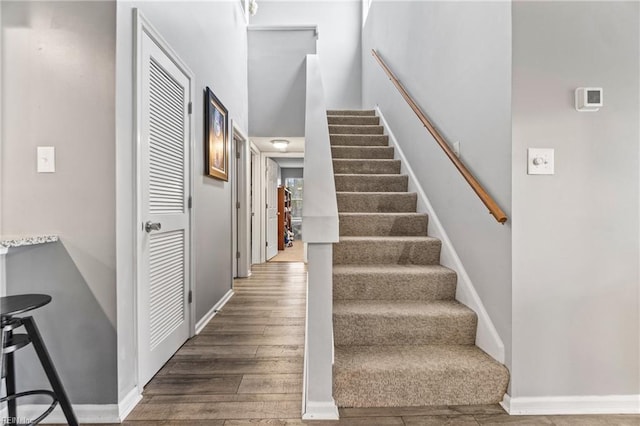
487,337
89,413
3,274
506,402
128,403
562,405
321,411
309,27
241,218
200,325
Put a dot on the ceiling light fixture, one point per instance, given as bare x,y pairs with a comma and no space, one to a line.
280,144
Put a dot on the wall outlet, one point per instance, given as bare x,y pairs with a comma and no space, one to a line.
540,161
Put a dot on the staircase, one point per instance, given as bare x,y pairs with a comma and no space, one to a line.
401,338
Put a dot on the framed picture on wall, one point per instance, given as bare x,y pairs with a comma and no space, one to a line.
216,135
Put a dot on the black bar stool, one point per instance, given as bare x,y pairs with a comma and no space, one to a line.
10,307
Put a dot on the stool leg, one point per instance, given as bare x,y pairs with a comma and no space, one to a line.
10,381
49,369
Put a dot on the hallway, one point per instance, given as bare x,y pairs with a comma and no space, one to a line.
245,364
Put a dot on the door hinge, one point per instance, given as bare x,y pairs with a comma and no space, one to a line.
190,108
266,244
237,154
190,296
238,205
266,206
237,255
190,201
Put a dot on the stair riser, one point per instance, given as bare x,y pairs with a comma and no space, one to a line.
367,167
359,140
365,286
377,203
351,112
372,329
354,120
335,129
375,252
381,153
381,225
372,183
408,389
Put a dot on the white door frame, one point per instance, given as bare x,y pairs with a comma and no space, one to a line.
256,182
143,26
263,199
240,217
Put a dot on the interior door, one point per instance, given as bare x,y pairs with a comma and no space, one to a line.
163,287
272,208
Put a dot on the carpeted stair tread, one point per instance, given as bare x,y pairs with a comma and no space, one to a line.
358,120
383,224
359,152
403,322
387,250
371,183
401,338
393,282
348,129
358,166
416,375
359,140
382,202
367,112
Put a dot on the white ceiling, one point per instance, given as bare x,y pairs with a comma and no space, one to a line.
264,144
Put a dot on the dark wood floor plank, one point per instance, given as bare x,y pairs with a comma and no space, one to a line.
280,351
219,410
235,366
271,383
187,385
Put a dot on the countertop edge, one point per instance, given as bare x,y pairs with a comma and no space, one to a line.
28,240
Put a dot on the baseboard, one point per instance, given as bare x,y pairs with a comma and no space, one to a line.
200,325
575,405
85,413
128,403
487,337
321,411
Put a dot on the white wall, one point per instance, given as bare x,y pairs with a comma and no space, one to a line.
276,71
339,24
211,38
58,61
458,68
575,234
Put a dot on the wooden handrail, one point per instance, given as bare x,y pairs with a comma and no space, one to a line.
493,207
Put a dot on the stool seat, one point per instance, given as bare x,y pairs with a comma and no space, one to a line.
21,303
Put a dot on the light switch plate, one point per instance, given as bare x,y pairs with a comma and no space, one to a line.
46,159
540,161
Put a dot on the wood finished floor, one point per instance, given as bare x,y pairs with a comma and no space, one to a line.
245,368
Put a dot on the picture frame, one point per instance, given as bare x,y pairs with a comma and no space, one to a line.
216,137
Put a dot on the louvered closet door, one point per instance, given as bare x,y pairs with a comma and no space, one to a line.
164,171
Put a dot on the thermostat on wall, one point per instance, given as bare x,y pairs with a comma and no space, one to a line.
588,98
